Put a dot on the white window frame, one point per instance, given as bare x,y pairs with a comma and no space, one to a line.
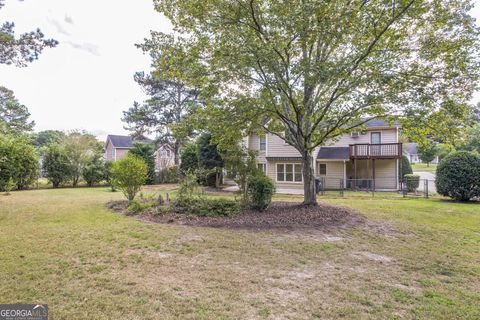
285,172
260,143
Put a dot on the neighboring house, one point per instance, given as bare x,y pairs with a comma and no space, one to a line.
366,159
410,150
164,158
117,147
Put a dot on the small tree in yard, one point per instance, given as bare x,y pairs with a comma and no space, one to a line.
56,165
108,174
189,158
210,159
260,190
146,152
427,152
129,175
18,162
458,176
94,171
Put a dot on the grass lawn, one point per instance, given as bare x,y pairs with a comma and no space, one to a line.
422,167
420,260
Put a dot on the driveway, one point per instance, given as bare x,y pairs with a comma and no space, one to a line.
431,181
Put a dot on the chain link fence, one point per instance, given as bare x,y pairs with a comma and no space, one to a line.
385,186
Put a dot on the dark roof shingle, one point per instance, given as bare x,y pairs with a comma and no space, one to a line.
125,142
337,153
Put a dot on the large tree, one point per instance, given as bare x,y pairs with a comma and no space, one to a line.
21,50
171,99
317,69
14,116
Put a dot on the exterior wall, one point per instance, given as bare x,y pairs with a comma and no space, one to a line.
386,172
121,153
335,173
387,136
254,144
276,147
109,152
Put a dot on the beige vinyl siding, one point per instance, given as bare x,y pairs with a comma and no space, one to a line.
276,147
335,172
385,174
388,136
254,144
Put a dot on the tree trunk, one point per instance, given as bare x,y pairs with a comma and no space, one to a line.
309,194
176,156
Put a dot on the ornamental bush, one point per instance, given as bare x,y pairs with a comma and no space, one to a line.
129,175
458,176
260,190
412,181
405,167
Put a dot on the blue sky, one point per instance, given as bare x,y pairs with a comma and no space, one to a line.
87,81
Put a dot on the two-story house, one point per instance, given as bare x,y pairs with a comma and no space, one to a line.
361,160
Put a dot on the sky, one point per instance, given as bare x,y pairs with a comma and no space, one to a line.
86,82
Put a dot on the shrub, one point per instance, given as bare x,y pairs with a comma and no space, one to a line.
412,181
56,165
404,167
137,206
458,176
108,174
189,158
147,153
129,175
260,189
168,175
18,162
208,207
94,171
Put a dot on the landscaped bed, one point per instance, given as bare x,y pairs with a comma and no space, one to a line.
279,215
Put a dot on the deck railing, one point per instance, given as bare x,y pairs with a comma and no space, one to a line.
376,151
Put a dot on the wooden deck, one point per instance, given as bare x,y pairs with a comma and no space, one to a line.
376,151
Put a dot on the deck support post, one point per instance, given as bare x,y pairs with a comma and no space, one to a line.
373,164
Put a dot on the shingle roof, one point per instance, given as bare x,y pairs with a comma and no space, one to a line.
380,123
337,153
125,142
411,148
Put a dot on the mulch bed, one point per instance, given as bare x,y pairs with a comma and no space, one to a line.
280,215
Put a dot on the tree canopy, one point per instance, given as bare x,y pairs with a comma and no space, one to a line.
319,69
14,116
24,49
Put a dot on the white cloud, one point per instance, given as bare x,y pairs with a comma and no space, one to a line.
87,80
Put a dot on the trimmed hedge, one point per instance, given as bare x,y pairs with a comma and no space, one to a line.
458,176
412,181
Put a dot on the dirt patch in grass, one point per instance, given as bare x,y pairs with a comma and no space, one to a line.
279,216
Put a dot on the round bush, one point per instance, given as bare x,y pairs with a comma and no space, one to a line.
412,181
260,189
458,176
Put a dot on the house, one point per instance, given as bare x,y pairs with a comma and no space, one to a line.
361,160
164,157
410,151
117,147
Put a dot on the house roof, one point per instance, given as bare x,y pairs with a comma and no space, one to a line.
337,153
124,142
411,147
378,123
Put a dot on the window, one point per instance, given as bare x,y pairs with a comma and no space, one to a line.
263,143
289,172
262,167
322,169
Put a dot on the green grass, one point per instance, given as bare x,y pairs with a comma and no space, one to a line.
422,167
419,259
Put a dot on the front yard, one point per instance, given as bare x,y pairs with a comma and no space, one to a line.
414,258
